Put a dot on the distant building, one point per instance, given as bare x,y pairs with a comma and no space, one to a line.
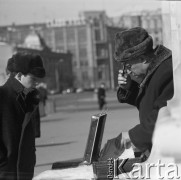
87,38
150,20
58,65
16,34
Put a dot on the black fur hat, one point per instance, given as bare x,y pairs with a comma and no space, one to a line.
132,43
26,63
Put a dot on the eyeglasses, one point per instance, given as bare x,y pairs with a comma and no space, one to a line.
126,67
36,80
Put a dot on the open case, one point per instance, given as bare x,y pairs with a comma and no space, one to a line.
93,146
101,168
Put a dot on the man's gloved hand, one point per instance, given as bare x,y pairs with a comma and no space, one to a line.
33,96
116,146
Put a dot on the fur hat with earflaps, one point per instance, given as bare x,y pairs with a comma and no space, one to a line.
132,43
26,63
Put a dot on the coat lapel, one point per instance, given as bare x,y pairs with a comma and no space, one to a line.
28,117
162,54
21,102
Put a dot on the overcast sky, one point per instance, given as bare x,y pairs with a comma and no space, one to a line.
30,11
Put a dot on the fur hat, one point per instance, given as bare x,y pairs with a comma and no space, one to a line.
26,63
130,44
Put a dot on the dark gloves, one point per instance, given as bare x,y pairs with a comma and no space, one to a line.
32,99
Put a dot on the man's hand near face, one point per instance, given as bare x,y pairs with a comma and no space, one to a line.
124,81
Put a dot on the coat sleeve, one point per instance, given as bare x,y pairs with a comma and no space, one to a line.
128,95
9,139
141,134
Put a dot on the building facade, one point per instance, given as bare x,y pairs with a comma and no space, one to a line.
86,39
150,20
90,40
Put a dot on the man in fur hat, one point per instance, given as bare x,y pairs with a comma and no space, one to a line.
146,81
18,105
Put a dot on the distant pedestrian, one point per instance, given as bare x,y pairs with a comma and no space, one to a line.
18,105
101,95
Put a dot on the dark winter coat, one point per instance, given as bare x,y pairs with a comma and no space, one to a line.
151,95
17,140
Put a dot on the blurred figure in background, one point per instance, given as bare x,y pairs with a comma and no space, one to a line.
101,95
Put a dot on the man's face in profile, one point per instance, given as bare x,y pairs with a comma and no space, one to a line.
29,81
136,69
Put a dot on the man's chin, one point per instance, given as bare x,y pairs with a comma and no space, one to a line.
137,78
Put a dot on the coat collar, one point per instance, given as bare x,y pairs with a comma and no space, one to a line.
15,84
162,53
18,88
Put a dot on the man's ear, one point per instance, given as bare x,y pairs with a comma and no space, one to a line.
18,76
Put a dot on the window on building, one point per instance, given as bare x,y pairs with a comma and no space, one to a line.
59,36
85,75
74,63
72,50
152,23
82,35
96,22
86,63
70,34
81,63
82,51
100,74
101,52
97,35
60,48
144,23
159,22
